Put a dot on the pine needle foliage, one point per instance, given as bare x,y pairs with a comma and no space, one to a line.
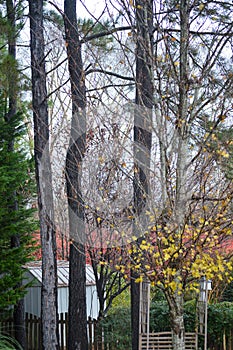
16,216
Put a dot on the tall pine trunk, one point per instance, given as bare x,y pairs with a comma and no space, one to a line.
77,336
49,314
142,137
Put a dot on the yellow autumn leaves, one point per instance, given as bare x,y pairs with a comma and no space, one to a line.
175,259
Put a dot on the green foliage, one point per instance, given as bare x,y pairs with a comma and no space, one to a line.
159,316
9,77
55,18
228,293
117,328
8,343
117,324
116,297
89,27
16,221
220,320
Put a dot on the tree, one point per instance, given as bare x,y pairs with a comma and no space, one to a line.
185,203
15,240
184,237
142,138
180,212
14,216
49,314
77,338
14,175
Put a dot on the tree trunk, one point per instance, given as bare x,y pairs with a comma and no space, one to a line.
176,306
142,138
49,315
176,300
77,336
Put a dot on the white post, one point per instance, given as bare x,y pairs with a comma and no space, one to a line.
206,315
205,287
148,316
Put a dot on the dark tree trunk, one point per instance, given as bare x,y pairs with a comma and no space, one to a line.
142,137
77,336
19,323
49,313
18,314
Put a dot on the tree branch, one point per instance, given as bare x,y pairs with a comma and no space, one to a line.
107,32
169,30
94,70
109,86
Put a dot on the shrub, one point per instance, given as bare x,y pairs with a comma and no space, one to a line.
8,343
117,329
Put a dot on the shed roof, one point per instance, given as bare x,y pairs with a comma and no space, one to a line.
35,268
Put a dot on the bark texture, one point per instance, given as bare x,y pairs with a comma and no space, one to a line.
176,300
142,137
49,315
77,336
176,307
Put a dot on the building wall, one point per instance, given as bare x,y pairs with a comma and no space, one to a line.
33,300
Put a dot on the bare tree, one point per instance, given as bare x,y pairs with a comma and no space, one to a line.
77,275
142,137
172,57
49,313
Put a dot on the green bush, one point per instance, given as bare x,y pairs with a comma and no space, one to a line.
220,320
160,317
117,325
117,329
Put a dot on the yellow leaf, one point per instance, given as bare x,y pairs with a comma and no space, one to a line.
201,220
139,279
201,7
99,220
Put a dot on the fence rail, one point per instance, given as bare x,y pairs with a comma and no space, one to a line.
155,341
163,341
33,332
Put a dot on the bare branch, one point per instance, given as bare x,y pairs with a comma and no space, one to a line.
105,33
94,70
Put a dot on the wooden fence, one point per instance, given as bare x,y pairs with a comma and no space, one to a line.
163,341
155,341
33,332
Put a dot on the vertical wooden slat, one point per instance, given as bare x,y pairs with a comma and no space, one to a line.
61,332
89,322
95,335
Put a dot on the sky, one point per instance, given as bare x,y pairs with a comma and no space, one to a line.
95,7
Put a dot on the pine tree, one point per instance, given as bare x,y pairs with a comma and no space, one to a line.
15,218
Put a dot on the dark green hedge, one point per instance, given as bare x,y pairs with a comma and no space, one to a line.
117,324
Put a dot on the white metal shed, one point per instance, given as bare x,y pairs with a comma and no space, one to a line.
33,297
